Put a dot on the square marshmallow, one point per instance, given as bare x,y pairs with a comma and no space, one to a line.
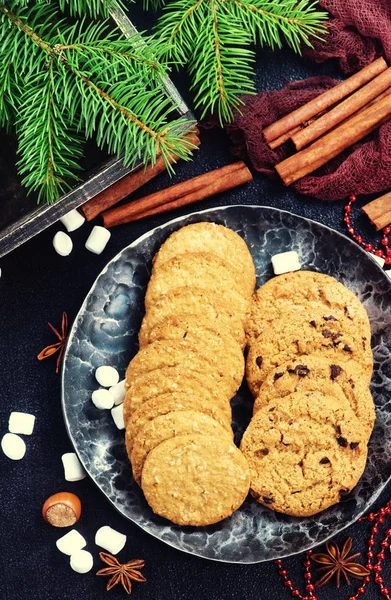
285,262
20,422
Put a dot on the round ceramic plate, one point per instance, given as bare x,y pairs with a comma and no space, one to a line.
105,332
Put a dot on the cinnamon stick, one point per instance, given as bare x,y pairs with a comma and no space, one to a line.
325,100
177,196
379,211
342,111
334,142
130,183
284,137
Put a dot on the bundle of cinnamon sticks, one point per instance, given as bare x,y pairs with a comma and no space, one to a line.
190,191
334,121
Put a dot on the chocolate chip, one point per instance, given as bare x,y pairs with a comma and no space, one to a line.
335,336
326,334
300,370
342,442
330,318
324,461
277,376
335,370
301,463
272,408
345,310
259,361
263,452
267,500
344,492
185,334
354,445
313,323
338,429
347,348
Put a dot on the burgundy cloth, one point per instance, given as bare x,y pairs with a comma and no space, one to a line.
359,31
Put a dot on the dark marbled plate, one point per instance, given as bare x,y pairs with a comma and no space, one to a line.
105,332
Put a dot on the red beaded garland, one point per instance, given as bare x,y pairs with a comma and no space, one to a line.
376,519
384,252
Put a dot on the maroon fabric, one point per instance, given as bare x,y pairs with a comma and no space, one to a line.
359,31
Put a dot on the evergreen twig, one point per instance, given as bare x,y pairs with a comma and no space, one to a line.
65,82
211,37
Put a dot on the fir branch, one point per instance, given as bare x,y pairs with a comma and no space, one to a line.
48,146
211,37
84,79
77,8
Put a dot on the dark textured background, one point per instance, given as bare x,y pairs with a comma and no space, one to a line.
35,287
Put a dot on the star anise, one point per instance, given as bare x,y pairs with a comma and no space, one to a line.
58,346
121,573
338,562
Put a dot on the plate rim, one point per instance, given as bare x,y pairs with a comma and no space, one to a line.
81,310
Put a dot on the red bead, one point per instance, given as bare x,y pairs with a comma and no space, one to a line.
351,230
358,239
387,230
352,198
370,554
371,516
384,591
309,552
347,220
384,241
348,208
384,544
388,532
379,579
367,579
368,247
375,529
382,511
288,583
380,555
371,542
307,576
278,563
352,597
361,590
379,253
378,568
387,260
310,587
307,564
283,572
295,593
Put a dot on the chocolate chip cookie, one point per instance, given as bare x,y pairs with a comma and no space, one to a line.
306,451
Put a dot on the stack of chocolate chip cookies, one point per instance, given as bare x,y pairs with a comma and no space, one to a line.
190,364
309,367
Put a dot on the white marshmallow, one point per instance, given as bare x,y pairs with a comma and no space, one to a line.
62,243
13,446
72,220
106,376
81,561
380,261
73,470
118,392
103,399
285,262
97,240
118,416
71,542
20,422
111,540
